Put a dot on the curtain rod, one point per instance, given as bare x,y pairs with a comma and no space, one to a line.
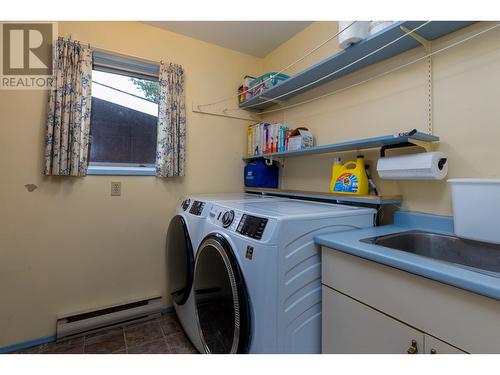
107,50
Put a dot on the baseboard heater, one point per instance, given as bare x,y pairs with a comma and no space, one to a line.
85,322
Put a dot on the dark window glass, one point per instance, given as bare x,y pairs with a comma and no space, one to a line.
123,121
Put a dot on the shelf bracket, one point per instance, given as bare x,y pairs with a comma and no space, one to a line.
427,146
412,142
419,38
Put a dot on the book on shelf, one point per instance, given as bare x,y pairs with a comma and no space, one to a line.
264,138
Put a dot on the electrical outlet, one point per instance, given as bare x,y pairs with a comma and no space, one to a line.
116,188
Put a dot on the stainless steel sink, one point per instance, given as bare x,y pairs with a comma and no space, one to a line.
476,256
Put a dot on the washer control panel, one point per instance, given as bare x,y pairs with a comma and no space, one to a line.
241,223
197,208
252,226
227,218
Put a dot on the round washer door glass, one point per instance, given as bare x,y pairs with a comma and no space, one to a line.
180,260
221,298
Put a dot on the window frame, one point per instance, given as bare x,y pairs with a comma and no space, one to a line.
116,64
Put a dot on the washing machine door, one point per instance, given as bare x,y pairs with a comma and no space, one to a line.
180,260
222,305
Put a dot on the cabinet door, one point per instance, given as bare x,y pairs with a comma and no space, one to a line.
435,346
349,326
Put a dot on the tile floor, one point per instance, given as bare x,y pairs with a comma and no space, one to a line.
157,336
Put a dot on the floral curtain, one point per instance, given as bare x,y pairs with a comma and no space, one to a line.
170,153
68,122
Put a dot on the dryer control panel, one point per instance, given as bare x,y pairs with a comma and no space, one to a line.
197,208
252,226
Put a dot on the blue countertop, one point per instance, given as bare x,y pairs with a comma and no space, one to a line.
448,273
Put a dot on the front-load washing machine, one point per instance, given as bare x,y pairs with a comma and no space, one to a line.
185,232
257,274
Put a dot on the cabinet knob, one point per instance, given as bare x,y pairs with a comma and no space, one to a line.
413,349
433,351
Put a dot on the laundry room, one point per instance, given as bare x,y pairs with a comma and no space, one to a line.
193,179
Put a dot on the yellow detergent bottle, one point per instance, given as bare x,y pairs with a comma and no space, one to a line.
351,178
336,167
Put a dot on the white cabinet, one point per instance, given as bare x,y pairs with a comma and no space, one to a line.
434,346
372,308
350,327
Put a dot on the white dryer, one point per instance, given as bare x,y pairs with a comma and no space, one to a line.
185,233
257,274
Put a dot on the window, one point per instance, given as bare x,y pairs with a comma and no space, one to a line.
123,122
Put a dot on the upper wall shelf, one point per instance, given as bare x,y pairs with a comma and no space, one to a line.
413,137
431,31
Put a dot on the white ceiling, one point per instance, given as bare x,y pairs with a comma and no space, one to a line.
256,38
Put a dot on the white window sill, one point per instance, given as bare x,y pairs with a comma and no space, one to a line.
100,170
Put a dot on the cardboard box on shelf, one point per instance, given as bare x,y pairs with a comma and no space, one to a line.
300,138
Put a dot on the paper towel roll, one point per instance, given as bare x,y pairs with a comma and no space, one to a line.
376,26
423,166
353,34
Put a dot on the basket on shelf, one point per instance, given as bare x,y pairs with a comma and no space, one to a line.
266,81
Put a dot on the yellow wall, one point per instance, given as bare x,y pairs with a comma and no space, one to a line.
69,245
466,83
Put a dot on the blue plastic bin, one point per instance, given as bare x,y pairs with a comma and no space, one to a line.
258,174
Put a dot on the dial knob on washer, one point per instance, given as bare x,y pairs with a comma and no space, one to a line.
227,218
185,204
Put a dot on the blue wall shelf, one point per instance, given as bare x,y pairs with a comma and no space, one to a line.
430,31
411,138
355,145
